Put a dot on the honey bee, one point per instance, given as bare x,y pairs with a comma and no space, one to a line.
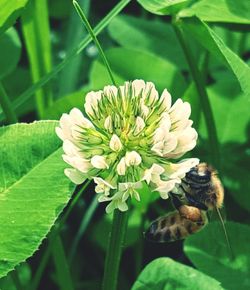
199,191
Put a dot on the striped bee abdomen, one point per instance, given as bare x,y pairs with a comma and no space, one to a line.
173,227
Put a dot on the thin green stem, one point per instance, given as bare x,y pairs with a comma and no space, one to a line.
25,96
84,224
201,88
7,106
36,33
16,280
62,269
139,248
42,265
92,34
73,203
114,251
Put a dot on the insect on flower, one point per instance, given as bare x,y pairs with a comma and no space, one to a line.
200,190
131,136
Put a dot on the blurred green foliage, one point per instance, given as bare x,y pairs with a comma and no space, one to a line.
49,54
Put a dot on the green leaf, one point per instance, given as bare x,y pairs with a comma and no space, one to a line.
163,7
166,274
9,11
36,32
33,189
220,11
209,253
66,103
231,111
162,73
214,44
10,52
154,36
236,172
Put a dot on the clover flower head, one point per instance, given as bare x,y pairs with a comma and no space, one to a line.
130,136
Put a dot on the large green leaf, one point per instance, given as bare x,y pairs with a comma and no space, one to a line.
10,51
235,171
209,253
220,11
128,64
154,36
214,44
9,11
66,103
166,274
33,189
231,111
163,7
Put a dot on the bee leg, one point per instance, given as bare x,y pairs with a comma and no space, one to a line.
176,201
195,203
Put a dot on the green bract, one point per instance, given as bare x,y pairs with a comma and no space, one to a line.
130,137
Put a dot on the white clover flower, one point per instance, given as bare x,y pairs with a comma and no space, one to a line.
131,136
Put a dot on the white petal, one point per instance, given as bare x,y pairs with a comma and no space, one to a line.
99,162
164,187
138,86
139,125
165,122
121,167
99,180
166,99
151,94
122,206
115,143
66,124
110,91
74,175
132,158
108,124
69,148
60,134
178,170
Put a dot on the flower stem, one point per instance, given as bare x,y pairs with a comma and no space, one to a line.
6,106
201,88
115,245
92,34
61,264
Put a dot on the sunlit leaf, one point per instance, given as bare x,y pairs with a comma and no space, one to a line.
66,103
166,274
209,253
33,189
153,36
10,51
236,172
214,44
220,11
9,11
231,111
128,64
163,7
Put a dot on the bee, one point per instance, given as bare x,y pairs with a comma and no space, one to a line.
199,191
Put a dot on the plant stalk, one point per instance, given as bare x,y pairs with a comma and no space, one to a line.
93,36
6,106
114,251
201,88
61,264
